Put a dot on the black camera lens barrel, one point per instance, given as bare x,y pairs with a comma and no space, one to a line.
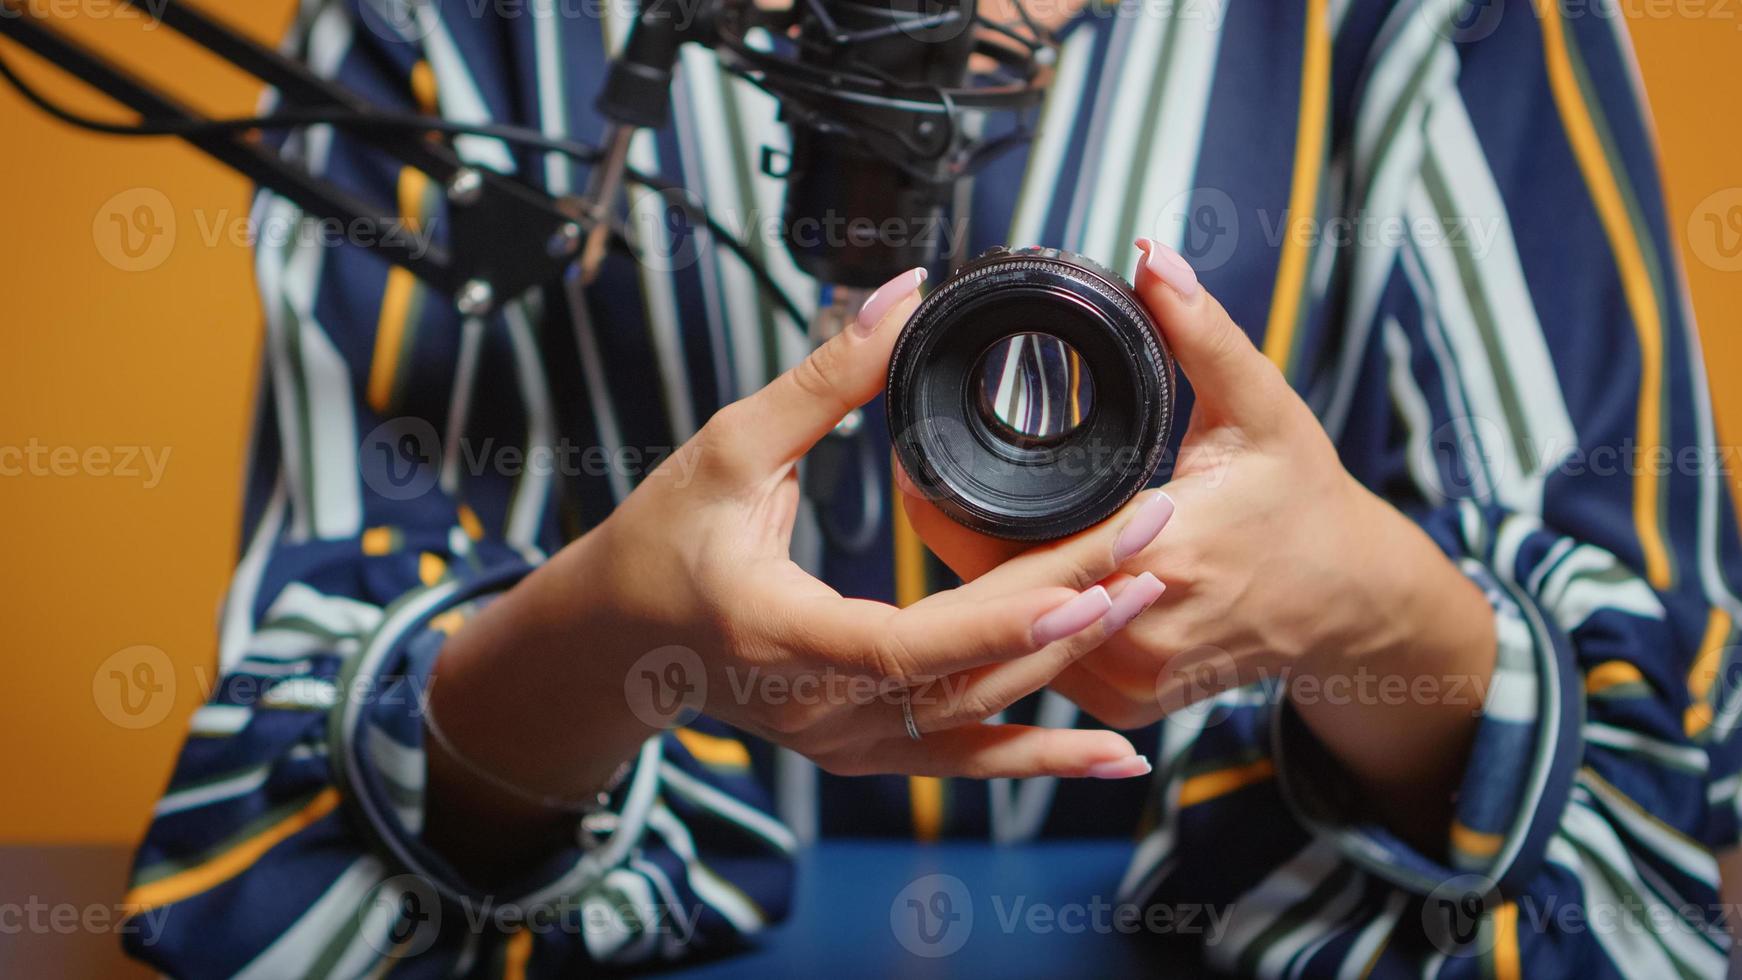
970,466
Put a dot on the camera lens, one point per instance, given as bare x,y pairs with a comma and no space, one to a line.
1031,395
1031,389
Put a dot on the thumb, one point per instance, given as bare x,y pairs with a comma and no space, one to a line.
785,419
1229,376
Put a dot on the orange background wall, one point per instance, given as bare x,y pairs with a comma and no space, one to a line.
94,352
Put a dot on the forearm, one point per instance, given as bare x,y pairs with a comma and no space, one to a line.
508,696
1397,701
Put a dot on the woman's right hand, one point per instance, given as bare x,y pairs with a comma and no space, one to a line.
687,593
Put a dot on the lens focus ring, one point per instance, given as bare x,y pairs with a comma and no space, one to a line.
1031,394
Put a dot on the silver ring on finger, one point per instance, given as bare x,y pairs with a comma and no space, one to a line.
907,717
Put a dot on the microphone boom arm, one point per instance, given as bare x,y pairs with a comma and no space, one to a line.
505,237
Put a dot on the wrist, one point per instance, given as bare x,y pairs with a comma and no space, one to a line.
1409,667
522,689
1402,603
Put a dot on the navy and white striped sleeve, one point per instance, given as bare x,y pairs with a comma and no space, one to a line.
288,841
1539,406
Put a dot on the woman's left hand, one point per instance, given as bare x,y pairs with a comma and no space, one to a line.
1275,563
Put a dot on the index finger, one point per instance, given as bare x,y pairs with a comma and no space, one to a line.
1090,555
1009,751
938,636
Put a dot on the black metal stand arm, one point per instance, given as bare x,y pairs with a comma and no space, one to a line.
504,236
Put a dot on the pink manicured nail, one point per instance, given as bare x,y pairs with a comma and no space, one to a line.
1169,266
879,303
1143,527
1139,594
1073,617
1134,765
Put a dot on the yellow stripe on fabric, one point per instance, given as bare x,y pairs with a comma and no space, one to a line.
396,299
1704,673
516,954
909,556
714,750
469,523
448,623
378,541
223,867
1605,192
389,335
1506,961
1303,192
925,794
926,797
1705,669
1612,797
1373,958
1475,843
1697,719
1212,785
1076,391
430,568
423,87
1611,673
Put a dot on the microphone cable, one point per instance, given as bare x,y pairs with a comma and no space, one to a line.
520,136
871,504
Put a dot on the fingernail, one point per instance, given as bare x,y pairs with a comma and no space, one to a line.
1073,617
1169,266
1143,527
884,299
1133,765
1139,594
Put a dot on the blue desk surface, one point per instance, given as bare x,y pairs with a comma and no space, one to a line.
856,915
900,909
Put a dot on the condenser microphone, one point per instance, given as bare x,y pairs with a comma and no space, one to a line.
867,201
884,101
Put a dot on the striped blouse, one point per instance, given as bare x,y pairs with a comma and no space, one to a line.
1442,220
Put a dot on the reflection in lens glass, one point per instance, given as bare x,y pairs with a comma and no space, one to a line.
1032,389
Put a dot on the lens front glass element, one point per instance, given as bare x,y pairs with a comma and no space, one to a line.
1032,389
